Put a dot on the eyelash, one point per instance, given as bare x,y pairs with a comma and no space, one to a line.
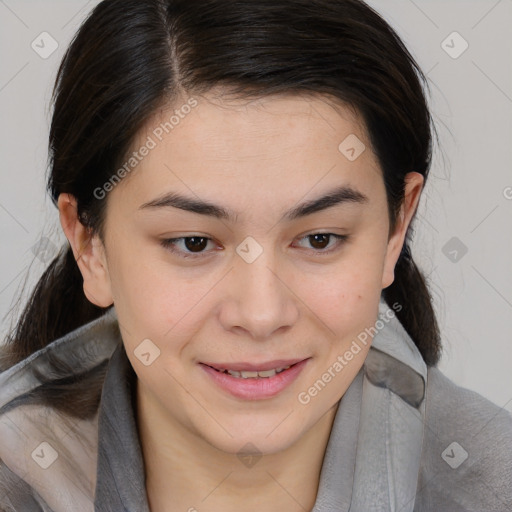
170,243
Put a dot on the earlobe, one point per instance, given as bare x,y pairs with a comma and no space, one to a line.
88,251
413,187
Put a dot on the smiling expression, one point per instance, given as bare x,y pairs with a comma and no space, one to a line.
249,252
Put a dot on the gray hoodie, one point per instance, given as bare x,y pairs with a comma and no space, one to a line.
404,439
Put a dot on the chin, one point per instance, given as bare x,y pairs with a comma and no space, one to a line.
256,443
268,434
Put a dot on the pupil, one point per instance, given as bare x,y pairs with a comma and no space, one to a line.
319,238
195,243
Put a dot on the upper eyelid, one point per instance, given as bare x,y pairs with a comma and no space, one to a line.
300,237
338,238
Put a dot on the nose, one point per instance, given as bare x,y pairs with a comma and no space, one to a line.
259,302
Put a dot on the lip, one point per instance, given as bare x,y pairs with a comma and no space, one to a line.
253,367
255,389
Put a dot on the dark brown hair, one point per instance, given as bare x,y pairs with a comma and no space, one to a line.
132,56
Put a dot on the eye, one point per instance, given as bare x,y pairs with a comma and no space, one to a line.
190,247
187,246
321,242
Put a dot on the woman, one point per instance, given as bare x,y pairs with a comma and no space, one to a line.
237,322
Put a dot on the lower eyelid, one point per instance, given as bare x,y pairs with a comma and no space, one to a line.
170,244
340,240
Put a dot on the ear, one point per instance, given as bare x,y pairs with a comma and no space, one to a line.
89,253
413,186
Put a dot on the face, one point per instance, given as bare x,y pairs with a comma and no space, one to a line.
246,240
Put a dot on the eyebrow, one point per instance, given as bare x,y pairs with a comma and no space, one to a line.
341,195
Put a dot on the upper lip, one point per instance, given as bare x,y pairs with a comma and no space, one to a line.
264,365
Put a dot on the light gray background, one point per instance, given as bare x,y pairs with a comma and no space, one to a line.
469,195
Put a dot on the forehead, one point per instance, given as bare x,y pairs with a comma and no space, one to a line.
269,145
237,128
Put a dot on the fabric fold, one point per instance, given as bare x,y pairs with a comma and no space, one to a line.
120,473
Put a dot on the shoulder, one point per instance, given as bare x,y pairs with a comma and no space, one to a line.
59,364
459,411
467,450
49,406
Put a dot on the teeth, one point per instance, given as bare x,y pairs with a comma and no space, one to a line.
248,375
267,373
254,375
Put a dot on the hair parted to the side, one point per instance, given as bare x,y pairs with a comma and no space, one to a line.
130,57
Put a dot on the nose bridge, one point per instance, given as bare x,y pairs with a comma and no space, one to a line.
261,302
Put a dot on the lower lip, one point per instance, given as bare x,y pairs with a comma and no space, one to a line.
255,389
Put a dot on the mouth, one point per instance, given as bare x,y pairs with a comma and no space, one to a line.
249,374
251,381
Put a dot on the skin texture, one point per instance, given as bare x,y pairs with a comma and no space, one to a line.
259,159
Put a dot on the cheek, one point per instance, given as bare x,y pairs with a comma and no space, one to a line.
153,300
344,311
346,297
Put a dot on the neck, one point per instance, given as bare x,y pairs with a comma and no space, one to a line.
186,473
